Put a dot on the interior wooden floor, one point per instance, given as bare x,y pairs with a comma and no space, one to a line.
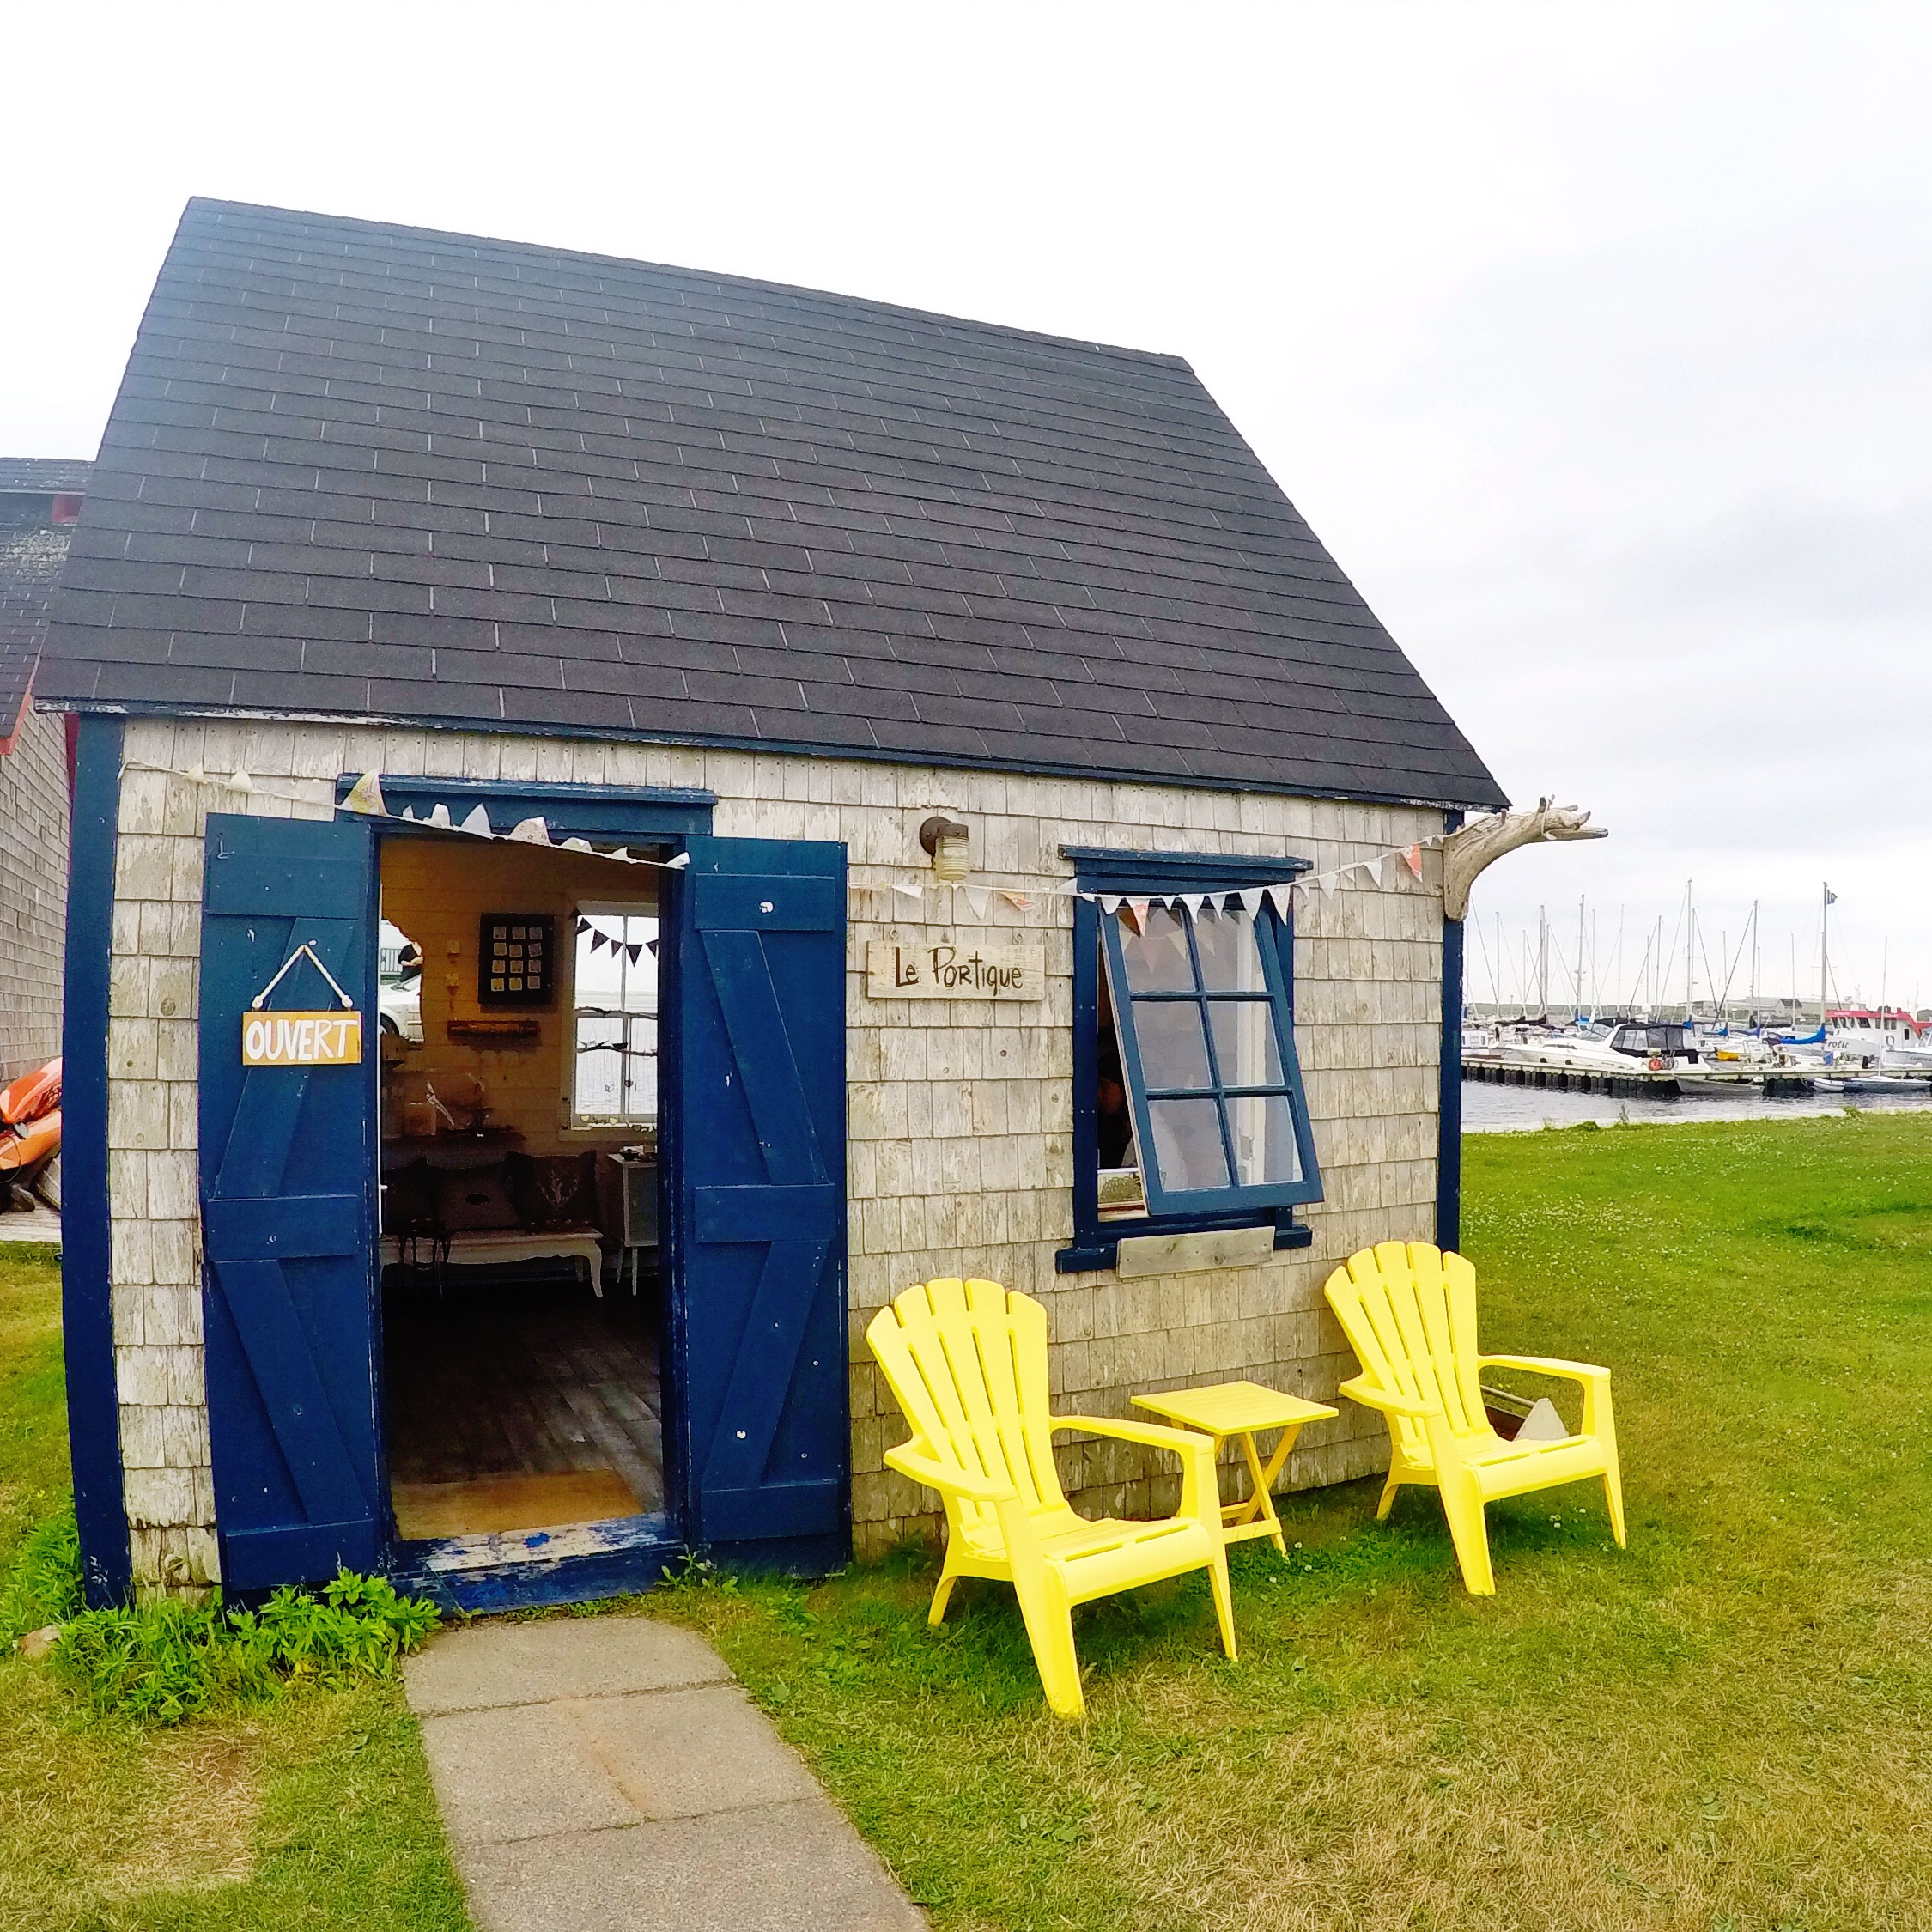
521,1405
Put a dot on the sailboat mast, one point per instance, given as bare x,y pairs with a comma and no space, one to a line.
1690,955
1824,949
1579,957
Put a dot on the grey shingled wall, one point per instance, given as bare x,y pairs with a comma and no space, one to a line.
32,892
960,1156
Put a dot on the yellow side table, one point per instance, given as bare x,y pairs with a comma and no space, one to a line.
1240,1408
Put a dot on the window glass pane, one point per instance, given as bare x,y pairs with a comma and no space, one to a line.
616,997
1157,960
1230,961
1244,1043
1172,1048
1264,1140
1187,1144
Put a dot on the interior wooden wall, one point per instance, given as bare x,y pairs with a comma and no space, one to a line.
437,891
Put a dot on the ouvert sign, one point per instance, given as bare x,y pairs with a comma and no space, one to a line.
957,968
327,1039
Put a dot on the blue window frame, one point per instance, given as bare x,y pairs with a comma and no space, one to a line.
1197,1001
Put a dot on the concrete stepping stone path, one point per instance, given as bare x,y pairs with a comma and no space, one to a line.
609,1774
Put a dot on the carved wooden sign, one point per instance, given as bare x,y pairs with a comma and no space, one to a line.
959,968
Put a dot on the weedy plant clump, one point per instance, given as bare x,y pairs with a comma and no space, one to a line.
165,1660
42,1585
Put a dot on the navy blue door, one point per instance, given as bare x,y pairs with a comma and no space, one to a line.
758,1160
287,1182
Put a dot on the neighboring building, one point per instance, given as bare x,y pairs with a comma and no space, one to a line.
876,632
39,503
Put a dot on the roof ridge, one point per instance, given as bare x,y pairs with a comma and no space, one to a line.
876,304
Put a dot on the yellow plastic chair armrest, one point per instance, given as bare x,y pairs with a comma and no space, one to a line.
1200,1494
1149,1435
1359,1389
949,1482
1547,1365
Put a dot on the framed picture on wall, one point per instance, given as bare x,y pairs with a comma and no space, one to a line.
516,959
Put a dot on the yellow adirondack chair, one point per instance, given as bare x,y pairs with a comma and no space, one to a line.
968,1363
1409,1312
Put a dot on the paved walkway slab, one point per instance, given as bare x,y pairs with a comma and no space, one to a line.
609,1774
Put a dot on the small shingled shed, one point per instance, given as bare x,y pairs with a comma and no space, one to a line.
39,501
625,815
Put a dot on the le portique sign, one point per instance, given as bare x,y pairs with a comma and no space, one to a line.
961,969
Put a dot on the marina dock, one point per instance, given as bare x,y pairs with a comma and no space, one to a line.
1676,1079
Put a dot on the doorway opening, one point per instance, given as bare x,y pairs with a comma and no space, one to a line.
522,1305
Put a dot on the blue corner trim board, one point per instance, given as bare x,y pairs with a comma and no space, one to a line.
1449,1106
87,1305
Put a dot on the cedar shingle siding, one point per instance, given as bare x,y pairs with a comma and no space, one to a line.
362,471
34,805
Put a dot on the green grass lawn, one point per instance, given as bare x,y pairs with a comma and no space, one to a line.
1724,1729
310,1814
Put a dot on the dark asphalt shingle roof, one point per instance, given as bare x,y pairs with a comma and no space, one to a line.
51,476
32,549
359,469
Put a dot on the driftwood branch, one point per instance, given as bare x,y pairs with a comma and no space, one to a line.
1481,844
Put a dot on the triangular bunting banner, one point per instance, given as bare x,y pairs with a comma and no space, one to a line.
1251,900
365,795
477,823
1412,857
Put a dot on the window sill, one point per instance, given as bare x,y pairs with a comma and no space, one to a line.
1099,1248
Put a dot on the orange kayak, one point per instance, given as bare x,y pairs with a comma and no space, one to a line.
26,1146
32,1095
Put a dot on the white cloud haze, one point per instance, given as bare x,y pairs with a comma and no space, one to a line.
1595,340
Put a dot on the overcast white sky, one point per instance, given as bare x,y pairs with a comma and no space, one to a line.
1595,340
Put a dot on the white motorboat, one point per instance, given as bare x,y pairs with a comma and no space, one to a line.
1622,1051
1861,1039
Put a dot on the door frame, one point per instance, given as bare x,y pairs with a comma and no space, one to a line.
593,1560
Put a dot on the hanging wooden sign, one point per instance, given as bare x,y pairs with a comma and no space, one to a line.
961,969
328,1039
333,1038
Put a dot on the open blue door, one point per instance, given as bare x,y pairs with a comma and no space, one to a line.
287,1182
758,1164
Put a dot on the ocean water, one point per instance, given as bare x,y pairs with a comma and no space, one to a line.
1497,1109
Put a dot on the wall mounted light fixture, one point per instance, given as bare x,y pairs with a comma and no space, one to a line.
951,845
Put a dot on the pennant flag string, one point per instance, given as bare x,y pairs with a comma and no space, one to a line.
365,799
